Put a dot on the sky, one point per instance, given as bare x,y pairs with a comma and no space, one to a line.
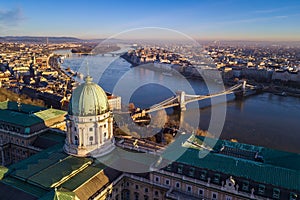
199,19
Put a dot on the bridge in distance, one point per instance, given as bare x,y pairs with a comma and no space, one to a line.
181,98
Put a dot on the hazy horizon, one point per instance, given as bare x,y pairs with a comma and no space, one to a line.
156,39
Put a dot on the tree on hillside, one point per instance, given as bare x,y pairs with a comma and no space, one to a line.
11,96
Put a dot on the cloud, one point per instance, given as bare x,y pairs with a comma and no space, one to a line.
275,10
258,19
11,17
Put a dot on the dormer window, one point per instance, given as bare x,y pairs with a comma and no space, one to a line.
203,175
192,171
245,186
276,193
179,169
169,167
293,196
261,189
217,178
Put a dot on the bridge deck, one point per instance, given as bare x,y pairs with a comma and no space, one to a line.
181,99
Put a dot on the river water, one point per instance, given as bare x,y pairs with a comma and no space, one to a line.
265,119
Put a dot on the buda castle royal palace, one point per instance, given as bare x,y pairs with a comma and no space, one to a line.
41,160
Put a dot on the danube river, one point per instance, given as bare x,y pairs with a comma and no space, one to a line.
265,119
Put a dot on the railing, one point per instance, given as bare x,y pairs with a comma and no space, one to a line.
141,148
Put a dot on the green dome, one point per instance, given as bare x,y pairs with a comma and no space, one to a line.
88,99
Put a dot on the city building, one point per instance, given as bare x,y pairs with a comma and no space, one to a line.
114,102
21,129
72,168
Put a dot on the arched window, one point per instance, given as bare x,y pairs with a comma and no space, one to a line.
91,138
125,194
76,140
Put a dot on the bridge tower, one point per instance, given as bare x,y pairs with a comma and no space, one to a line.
181,100
240,94
244,86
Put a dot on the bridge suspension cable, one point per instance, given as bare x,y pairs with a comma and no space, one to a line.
188,98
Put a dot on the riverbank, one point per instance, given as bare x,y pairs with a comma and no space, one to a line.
187,71
191,72
94,49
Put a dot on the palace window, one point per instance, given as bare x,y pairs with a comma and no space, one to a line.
91,138
125,195
189,188
167,181
169,167
157,178
91,129
228,197
146,197
203,175
156,193
136,196
179,169
261,189
177,185
276,193
76,139
245,186
293,196
146,190
104,126
201,192
217,178
214,196
136,187
191,171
